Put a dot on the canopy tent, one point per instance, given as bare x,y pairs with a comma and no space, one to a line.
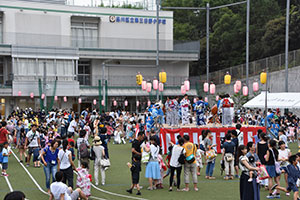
275,100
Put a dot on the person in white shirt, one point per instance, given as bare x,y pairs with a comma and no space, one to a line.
98,149
66,164
73,127
283,158
32,142
240,134
60,191
283,137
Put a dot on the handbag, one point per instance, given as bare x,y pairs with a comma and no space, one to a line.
229,157
277,164
210,154
105,162
191,158
181,158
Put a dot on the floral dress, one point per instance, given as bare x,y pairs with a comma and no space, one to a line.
83,181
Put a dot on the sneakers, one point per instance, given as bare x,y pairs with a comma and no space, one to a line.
277,196
250,179
287,194
138,193
129,191
270,196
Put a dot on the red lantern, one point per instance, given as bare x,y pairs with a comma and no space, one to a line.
212,88
149,103
195,100
235,88
206,99
65,99
217,98
144,85
205,86
238,85
126,103
187,85
155,84
149,86
115,103
137,103
79,100
55,98
31,95
161,87
102,102
43,96
19,93
183,91
245,91
255,86
94,101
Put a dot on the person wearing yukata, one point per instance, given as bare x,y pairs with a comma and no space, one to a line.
200,111
168,112
185,104
173,108
149,122
227,114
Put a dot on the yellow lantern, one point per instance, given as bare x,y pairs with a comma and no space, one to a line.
227,78
263,77
162,77
139,79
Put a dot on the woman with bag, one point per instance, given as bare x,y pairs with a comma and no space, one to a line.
228,156
152,168
66,164
175,164
98,150
273,167
210,156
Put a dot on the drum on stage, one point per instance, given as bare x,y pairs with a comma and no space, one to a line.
214,110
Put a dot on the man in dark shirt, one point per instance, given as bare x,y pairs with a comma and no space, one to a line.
136,144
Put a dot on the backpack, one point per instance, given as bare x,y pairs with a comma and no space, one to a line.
181,158
92,155
83,150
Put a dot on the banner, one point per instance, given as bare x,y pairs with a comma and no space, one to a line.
170,135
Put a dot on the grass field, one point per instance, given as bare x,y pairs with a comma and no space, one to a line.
118,180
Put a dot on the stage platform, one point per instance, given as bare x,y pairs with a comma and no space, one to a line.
169,134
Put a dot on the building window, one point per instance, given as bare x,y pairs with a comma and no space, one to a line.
84,31
84,72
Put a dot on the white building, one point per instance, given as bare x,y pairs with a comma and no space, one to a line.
72,43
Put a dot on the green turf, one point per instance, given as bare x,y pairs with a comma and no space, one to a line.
118,180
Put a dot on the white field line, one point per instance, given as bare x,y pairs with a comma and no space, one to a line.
7,181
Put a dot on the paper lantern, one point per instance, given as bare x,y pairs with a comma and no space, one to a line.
102,102
155,84
144,85
31,95
163,77
137,103
187,85
263,77
139,79
206,99
212,88
149,86
55,98
205,87
238,85
126,103
183,91
115,103
235,88
65,99
245,91
195,100
19,93
94,101
79,100
217,98
227,78
161,87
43,96
149,103
255,86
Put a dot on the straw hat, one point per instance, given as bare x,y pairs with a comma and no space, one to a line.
97,140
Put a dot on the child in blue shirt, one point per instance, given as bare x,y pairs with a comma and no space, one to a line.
293,173
5,155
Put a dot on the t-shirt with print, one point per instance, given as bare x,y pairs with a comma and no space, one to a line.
58,188
283,154
190,149
5,158
33,139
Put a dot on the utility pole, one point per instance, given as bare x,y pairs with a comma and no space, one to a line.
207,42
45,85
287,46
247,43
103,85
157,44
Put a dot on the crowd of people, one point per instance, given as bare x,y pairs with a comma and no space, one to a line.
54,140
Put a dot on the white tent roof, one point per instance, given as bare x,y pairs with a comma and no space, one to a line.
275,100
